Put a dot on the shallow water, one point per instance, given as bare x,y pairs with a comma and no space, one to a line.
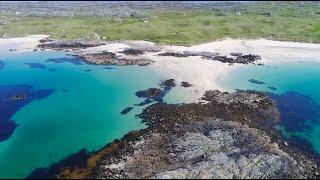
82,111
295,85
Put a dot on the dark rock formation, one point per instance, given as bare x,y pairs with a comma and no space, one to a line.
62,45
244,59
239,58
185,84
168,84
132,51
256,81
151,93
175,54
201,53
236,54
45,40
109,58
126,110
199,140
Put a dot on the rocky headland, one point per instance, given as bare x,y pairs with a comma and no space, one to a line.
226,135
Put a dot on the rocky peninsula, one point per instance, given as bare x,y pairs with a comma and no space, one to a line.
226,135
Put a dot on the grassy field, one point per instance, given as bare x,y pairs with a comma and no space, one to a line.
182,27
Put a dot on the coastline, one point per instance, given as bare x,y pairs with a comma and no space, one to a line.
202,74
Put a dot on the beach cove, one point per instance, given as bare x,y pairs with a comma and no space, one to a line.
63,120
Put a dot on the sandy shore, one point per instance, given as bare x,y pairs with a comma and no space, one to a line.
23,43
202,74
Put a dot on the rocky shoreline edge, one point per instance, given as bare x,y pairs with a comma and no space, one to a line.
111,58
227,135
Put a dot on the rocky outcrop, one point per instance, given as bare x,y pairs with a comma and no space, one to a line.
109,58
213,148
185,84
244,59
62,45
234,58
168,84
174,54
222,138
131,51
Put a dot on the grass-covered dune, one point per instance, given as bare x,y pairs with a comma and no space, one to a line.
292,21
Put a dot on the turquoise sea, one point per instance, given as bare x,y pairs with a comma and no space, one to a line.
295,85
69,106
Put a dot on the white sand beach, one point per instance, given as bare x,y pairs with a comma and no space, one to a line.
23,43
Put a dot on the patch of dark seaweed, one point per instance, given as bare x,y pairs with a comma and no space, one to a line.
36,65
295,109
2,65
126,110
66,60
167,84
256,81
272,88
74,160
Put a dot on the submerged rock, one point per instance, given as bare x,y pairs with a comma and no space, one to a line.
256,81
126,110
36,65
151,93
168,84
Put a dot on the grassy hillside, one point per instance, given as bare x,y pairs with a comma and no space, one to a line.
294,21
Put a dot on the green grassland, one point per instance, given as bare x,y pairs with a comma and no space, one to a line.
287,22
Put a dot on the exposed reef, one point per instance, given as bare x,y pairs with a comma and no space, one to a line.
225,137
234,58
